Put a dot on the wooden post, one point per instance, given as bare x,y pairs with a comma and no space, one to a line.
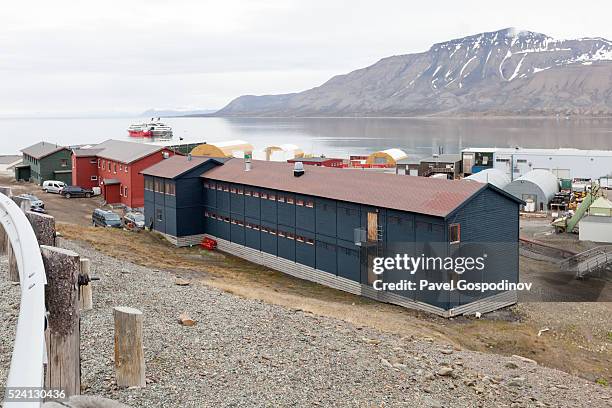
63,335
3,235
129,354
85,291
13,270
43,226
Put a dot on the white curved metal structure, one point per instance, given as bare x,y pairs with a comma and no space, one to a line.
539,184
29,349
492,176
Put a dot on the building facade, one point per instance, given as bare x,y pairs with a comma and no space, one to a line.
115,166
329,226
447,164
45,161
516,162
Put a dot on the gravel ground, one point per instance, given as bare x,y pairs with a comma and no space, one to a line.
245,353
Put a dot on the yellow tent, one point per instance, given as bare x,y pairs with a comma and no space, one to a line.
388,157
231,148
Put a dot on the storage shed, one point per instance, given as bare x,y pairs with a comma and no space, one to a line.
387,157
329,226
537,185
494,176
601,207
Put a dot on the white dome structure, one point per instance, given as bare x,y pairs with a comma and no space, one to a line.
537,185
495,177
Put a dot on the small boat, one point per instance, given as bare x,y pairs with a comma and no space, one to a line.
152,129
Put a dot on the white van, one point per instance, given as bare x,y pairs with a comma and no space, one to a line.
53,186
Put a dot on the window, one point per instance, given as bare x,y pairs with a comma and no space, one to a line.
282,234
92,161
272,197
264,229
239,191
233,190
290,200
226,188
290,235
299,202
108,166
159,186
255,193
115,168
264,196
159,214
249,225
219,187
233,221
256,227
310,241
126,168
272,231
281,199
226,219
299,238
310,204
521,161
206,214
454,233
206,184
126,192
247,192
120,167
149,184
64,162
93,178
169,188
240,223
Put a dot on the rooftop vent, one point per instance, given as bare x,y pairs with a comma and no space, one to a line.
247,161
298,169
165,155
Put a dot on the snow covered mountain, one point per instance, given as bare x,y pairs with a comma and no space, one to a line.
503,72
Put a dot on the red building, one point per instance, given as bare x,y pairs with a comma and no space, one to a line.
115,167
318,161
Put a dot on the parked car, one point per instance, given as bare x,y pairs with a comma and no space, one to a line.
76,191
105,218
35,202
53,186
134,220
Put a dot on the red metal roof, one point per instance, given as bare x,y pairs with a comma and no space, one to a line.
437,197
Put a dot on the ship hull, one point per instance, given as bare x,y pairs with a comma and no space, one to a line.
139,133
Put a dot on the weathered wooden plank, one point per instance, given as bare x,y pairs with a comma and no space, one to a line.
129,354
43,226
63,335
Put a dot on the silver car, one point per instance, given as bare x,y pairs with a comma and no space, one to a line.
53,186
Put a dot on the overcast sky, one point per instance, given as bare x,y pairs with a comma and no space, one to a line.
59,57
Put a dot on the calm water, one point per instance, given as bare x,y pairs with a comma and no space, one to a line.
333,137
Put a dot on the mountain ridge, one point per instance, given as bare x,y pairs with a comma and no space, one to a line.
504,72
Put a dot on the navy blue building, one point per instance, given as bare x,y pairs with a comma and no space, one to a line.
330,226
